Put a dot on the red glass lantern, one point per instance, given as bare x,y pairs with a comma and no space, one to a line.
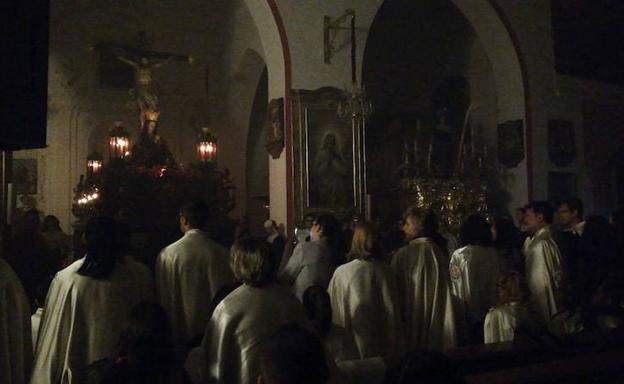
94,164
206,147
119,142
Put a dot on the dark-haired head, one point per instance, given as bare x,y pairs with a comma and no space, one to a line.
476,231
574,205
293,355
330,229
317,305
145,344
102,244
431,229
542,208
31,221
538,215
193,215
505,232
50,223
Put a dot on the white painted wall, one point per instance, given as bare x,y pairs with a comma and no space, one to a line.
304,27
572,93
80,112
220,33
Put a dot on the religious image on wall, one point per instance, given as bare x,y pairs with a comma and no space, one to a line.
25,176
329,160
510,143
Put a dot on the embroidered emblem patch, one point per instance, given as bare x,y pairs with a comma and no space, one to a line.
455,272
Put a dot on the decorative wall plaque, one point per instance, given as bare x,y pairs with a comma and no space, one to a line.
274,127
510,143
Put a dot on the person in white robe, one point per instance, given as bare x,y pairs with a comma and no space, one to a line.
15,340
422,274
313,262
232,342
503,321
474,270
542,260
189,273
364,299
87,305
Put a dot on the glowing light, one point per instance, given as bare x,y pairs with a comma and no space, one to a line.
207,151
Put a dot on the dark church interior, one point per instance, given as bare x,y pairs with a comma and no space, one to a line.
308,192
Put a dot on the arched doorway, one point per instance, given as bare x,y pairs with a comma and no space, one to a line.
436,47
257,160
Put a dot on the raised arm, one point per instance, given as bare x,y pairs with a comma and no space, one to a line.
133,64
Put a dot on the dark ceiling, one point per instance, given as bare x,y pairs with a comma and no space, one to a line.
588,37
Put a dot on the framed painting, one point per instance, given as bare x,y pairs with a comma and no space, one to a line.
328,155
25,176
510,143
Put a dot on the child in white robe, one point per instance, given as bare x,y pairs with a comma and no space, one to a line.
502,321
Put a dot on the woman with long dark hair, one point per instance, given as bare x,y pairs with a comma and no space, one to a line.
313,262
474,268
87,304
507,240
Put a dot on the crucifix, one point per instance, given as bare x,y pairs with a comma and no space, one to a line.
143,62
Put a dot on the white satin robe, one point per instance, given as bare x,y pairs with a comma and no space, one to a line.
502,321
189,273
474,271
83,319
543,272
310,264
364,302
232,342
422,274
15,339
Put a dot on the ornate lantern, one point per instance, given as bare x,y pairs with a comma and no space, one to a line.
94,164
206,146
119,141
355,102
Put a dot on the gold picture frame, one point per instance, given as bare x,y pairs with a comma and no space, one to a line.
328,155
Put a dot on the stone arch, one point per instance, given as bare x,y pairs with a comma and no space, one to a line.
236,116
272,33
494,33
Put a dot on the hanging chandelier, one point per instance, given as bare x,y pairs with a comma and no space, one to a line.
355,102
